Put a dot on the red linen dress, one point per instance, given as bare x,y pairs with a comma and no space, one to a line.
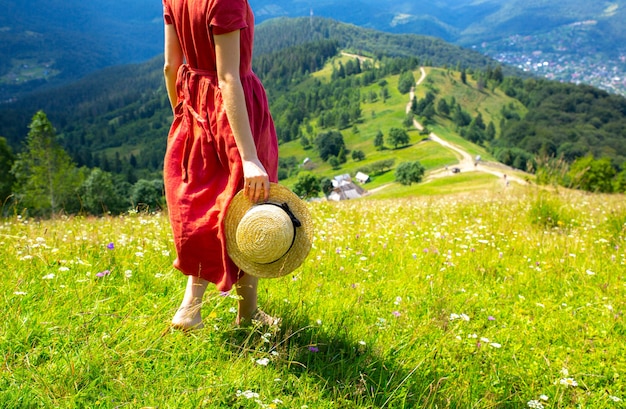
203,169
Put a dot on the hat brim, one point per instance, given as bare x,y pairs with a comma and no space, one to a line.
301,245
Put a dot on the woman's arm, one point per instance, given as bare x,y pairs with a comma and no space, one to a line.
256,180
173,60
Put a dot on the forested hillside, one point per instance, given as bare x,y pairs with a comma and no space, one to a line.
121,110
567,121
117,120
117,108
47,43
281,33
52,42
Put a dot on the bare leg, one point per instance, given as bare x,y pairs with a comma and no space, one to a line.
189,315
248,308
247,291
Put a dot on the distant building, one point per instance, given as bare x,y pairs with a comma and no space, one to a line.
308,164
344,189
362,177
339,179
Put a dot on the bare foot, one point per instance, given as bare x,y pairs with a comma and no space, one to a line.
188,318
260,318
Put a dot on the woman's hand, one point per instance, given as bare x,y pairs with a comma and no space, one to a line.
256,181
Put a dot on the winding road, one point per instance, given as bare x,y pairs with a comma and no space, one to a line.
466,162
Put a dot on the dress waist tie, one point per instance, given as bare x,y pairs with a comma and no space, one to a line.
190,117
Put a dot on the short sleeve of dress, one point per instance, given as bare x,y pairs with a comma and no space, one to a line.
229,15
167,13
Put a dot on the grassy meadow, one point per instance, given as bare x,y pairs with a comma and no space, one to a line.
498,298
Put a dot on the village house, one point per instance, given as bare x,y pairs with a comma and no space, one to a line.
344,189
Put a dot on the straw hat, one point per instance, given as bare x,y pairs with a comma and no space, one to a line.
268,239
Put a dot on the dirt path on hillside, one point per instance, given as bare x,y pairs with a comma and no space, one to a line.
359,57
466,162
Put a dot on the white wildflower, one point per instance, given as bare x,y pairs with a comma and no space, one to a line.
463,317
568,382
263,361
247,394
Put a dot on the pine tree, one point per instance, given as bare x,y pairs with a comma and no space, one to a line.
6,178
46,178
443,108
342,156
379,141
406,82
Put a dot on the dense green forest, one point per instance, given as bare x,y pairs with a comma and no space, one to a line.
283,33
116,121
566,121
47,43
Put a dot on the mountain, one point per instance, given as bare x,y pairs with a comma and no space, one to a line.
329,82
571,40
112,118
47,43
53,42
99,103
466,22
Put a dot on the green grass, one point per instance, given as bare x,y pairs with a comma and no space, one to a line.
449,301
461,183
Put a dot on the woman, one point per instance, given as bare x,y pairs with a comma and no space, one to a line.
222,139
